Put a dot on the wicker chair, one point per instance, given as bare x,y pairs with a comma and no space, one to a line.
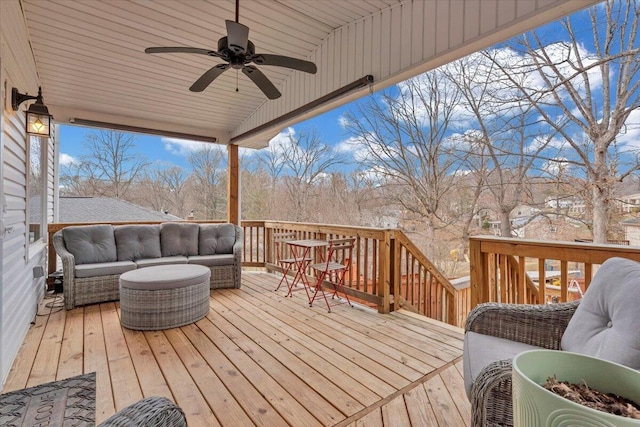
537,325
604,324
149,412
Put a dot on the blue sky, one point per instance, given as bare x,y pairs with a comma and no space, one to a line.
158,149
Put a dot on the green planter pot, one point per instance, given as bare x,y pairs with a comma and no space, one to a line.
533,405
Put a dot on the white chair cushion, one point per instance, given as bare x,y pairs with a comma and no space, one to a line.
480,350
607,321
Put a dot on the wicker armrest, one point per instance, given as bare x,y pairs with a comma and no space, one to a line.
151,411
539,325
68,269
237,256
491,396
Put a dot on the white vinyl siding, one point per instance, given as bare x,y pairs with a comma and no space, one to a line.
20,291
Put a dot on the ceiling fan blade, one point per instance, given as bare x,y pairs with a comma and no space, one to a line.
181,49
261,81
285,61
237,36
210,75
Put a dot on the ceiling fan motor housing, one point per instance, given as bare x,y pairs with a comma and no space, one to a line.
235,54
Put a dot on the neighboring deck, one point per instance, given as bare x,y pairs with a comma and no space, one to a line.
260,359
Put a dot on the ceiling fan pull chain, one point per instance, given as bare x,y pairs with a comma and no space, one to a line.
237,90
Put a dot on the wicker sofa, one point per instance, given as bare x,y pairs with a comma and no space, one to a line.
94,256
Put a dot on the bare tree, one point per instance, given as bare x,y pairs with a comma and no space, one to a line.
506,141
208,165
307,162
71,181
586,96
271,160
405,137
109,163
257,198
151,192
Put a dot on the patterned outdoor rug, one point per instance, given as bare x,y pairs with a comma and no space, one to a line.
70,402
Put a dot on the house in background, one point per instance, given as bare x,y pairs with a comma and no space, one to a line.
632,230
630,203
106,209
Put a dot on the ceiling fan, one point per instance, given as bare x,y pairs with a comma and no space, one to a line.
239,52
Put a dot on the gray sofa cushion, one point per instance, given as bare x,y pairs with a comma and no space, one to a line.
212,260
91,244
137,241
480,350
165,277
150,262
216,239
179,239
606,323
104,268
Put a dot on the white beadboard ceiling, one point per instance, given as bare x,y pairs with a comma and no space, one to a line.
91,61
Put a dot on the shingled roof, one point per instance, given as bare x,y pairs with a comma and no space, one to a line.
107,209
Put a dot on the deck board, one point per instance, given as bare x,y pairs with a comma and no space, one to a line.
260,359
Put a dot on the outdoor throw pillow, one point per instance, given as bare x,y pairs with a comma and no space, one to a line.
137,242
606,323
216,239
179,239
90,243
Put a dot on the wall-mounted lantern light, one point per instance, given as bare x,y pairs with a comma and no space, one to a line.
38,117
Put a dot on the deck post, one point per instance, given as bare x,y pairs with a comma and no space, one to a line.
394,273
384,279
477,265
233,186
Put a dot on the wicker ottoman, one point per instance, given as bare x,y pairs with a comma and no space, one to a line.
164,296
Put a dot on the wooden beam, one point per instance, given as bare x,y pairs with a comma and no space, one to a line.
233,186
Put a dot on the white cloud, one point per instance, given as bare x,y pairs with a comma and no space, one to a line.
556,166
283,138
184,147
630,133
356,146
67,160
343,122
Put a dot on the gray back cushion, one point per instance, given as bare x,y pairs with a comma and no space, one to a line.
607,321
90,243
137,242
179,239
216,239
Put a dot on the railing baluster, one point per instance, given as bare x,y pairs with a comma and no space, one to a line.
542,281
521,280
564,281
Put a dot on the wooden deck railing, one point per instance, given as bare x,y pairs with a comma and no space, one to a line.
501,268
420,286
388,270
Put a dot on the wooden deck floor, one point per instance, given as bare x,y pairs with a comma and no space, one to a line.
262,359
